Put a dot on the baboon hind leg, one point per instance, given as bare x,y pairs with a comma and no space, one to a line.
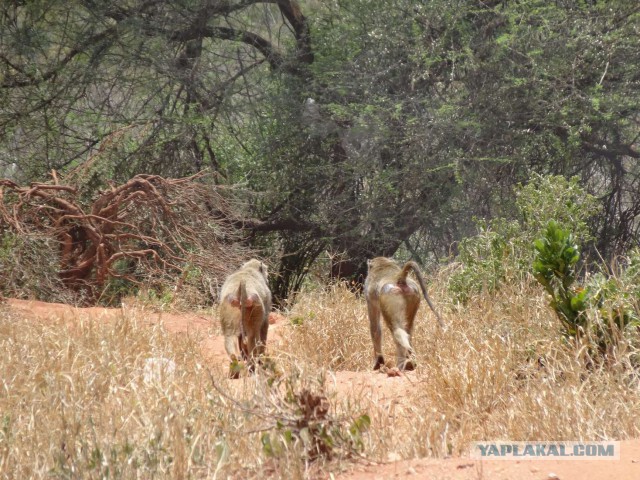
376,333
264,330
404,352
408,360
242,345
233,346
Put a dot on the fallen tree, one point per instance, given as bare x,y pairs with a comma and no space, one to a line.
149,229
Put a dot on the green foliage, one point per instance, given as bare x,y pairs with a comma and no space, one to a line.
118,287
160,296
441,106
299,320
554,268
502,250
556,198
487,259
602,311
630,276
616,299
236,368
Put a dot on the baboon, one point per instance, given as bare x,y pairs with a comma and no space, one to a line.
244,312
390,293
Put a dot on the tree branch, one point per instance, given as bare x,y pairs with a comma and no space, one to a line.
11,81
291,11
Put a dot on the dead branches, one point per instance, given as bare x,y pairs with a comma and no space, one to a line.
147,228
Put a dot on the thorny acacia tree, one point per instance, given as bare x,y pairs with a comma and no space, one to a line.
364,125
419,117
74,74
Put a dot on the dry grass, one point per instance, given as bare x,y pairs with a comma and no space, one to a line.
330,330
501,370
74,403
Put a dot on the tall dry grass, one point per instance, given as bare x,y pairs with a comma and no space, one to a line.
501,370
74,402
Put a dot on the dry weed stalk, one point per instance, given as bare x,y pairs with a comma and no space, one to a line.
74,402
296,415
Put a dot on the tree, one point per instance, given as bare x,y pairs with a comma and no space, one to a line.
420,117
152,85
361,127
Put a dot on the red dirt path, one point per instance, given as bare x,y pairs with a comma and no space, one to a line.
383,389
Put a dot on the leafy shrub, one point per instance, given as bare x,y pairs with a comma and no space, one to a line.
602,311
502,250
554,268
487,259
556,198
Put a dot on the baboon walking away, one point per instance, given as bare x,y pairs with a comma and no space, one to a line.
244,312
394,296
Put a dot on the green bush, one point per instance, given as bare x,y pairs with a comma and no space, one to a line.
487,259
547,198
554,268
502,250
604,310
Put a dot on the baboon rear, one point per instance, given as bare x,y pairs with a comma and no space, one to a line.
245,303
391,294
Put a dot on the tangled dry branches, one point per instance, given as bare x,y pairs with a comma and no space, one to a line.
148,228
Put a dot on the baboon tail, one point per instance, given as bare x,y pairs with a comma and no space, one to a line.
402,276
402,280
